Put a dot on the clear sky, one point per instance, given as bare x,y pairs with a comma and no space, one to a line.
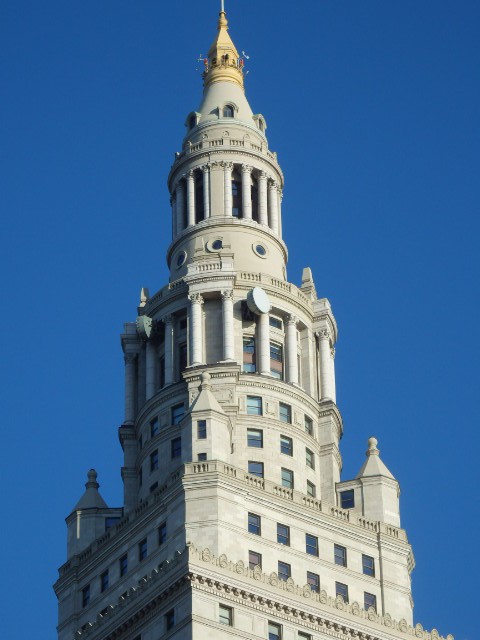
373,108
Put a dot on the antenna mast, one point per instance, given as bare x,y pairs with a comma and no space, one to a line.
222,6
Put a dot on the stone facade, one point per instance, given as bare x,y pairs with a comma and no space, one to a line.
235,522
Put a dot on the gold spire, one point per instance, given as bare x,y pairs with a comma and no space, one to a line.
223,63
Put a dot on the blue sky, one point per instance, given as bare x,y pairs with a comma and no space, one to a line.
373,109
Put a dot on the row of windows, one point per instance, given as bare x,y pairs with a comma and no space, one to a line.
177,413
255,408
142,551
255,439
311,544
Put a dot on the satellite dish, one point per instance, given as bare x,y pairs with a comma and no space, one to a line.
144,327
257,301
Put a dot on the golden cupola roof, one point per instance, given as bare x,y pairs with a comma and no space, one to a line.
223,63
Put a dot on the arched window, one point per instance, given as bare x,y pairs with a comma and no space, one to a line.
228,111
261,125
192,121
237,210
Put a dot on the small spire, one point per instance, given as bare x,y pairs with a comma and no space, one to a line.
223,63
92,483
373,465
91,499
372,447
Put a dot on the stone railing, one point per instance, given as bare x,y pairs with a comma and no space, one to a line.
206,144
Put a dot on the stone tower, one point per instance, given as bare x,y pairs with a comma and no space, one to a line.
235,521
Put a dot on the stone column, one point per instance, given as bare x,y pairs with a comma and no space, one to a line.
332,374
247,191
227,174
168,321
228,335
280,198
263,342
130,384
206,190
196,333
262,199
191,198
273,202
180,206
292,351
151,370
326,387
173,204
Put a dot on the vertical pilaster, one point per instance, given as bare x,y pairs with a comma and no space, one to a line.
273,204
326,387
247,191
206,190
174,216
263,340
151,369
227,176
292,351
280,198
130,384
169,341
262,199
332,374
191,198
196,333
180,206
227,315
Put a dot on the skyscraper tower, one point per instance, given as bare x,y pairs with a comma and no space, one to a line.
235,521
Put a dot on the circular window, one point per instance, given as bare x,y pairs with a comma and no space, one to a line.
217,245
181,258
260,249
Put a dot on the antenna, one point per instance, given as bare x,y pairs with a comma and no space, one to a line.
222,6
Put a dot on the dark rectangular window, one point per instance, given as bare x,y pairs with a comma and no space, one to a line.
176,448
255,468
225,615
85,596
311,489
286,445
111,522
285,411
276,323
283,534
347,499
202,457
178,412
162,533
104,581
274,631
341,590
369,600
254,406
142,549
309,425
276,360
287,478
123,565
340,555
254,524
368,566
154,460
304,636
311,544
153,487
170,619
284,570
313,581
255,438
161,371
182,357
201,429
310,458
249,359
154,427
254,559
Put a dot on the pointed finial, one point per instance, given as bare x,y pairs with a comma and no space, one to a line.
372,447
144,296
92,480
205,381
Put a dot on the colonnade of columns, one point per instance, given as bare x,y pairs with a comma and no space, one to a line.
269,197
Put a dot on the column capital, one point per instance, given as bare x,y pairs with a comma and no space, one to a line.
262,175
195,298
227,294
228,166
129,358
323,334
190,174
246,168
167,319
291,319
273,184
206,167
